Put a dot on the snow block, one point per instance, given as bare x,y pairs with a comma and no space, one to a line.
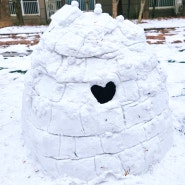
127,157
108,163
65,118
82,169
100,121
91,146
138,113
67,148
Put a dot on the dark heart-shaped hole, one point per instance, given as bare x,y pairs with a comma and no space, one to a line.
104,94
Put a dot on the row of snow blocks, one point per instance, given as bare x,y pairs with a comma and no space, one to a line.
88,157
74,135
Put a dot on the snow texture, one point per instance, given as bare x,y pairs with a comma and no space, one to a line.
68,131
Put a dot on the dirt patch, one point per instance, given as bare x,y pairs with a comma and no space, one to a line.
15,39
26,42
158,37
177,41
160,34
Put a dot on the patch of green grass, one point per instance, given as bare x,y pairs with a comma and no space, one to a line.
171,61
18,71
1,68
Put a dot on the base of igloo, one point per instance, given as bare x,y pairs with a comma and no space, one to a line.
88,165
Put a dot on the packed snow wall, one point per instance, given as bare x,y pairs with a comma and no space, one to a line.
95,98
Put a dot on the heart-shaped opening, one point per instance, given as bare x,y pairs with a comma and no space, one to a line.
104,94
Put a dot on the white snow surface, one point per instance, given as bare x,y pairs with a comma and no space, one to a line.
16,164
22,29
163,22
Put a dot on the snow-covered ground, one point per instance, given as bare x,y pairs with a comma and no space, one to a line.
16,165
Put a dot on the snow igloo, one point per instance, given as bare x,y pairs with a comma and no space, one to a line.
95,99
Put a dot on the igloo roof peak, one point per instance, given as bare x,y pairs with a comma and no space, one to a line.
75,33
75,3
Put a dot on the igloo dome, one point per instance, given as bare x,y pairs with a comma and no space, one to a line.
95,98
